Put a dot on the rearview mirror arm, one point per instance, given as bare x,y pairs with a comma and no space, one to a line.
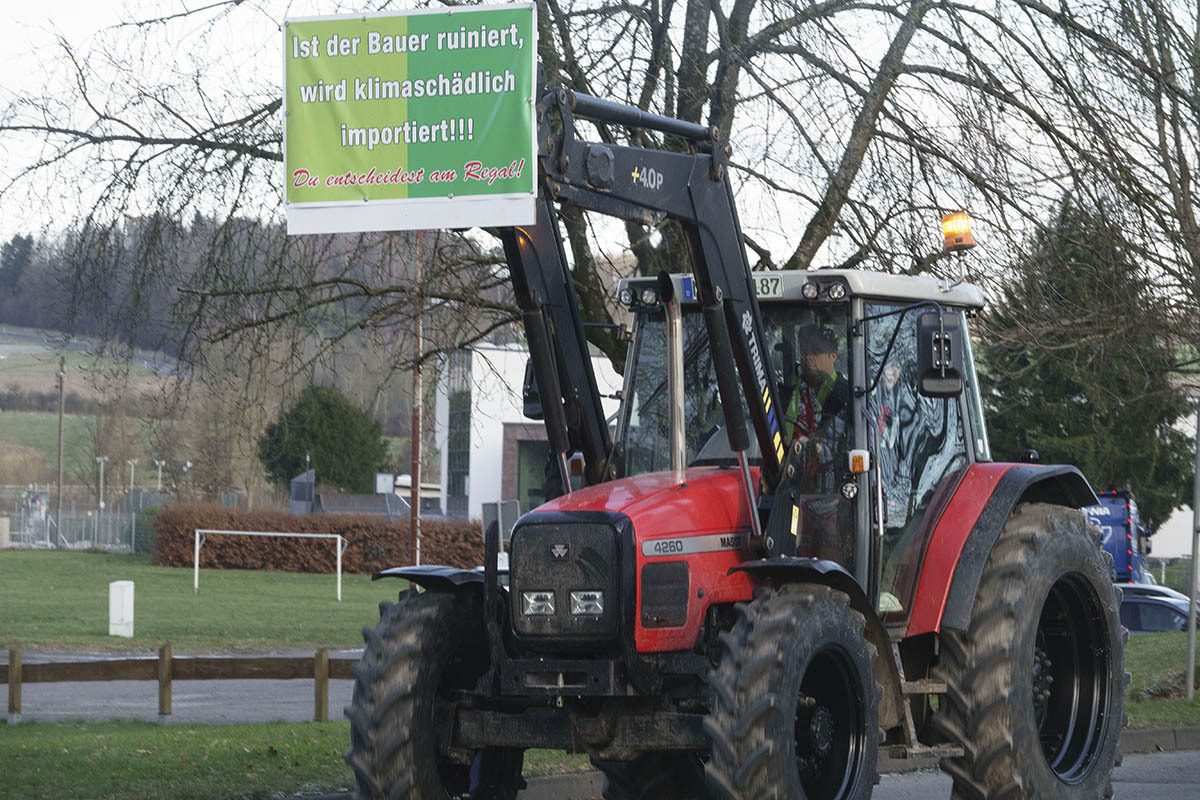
858,331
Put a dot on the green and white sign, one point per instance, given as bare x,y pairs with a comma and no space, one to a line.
410,121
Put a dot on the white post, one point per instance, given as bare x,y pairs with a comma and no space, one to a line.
100,514
196,565
1191,664
338,544
132,462
120,609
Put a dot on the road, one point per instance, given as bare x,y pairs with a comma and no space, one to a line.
1161,776
228,701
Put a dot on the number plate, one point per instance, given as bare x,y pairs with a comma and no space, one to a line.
768,285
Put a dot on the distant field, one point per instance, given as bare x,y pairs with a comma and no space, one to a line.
29,359
59,601
39,433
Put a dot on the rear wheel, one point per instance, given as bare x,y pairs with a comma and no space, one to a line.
795,704
426,647
1036,684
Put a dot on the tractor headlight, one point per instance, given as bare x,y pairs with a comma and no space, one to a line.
626,296
810,290
587,603
649,296
537,604
837,291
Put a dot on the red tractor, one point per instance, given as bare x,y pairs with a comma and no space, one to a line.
752,613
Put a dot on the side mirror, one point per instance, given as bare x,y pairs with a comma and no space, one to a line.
939,354
531,398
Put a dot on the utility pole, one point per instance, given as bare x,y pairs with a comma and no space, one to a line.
101,460
62,374
1191,665
414,534
132,462
159,464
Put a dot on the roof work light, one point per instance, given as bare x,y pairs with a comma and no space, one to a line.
956,232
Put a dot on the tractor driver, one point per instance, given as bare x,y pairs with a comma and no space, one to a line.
822,394
818,410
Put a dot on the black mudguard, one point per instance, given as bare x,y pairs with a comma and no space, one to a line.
1025,483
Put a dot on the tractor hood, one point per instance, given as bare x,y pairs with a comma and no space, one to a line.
710,500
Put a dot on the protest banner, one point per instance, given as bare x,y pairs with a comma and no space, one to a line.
410,121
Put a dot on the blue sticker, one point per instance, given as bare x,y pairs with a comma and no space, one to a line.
689,292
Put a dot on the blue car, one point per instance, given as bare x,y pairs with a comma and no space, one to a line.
1150,613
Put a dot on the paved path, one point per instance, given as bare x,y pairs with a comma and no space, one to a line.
228,701
1160,776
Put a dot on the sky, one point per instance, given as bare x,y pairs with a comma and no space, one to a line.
28,49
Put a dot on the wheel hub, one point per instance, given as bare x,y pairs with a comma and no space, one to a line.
1072,663
820,731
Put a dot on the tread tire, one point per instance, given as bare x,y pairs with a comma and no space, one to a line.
799,636
1044,554
423,645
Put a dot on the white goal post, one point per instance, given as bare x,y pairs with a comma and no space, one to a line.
201,533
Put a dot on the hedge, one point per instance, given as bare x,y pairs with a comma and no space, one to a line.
372,543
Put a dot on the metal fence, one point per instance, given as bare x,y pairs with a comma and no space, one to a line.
77,531
81,527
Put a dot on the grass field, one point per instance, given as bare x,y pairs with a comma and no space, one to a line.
135,760
59,601
39,432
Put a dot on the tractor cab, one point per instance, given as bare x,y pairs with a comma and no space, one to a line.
842,348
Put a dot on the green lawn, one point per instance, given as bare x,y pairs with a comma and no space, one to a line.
59,600
1157,663
40,432
132,760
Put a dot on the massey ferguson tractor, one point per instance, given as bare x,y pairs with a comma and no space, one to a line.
751,611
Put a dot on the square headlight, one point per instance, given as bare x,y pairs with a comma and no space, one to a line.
587,602
537,604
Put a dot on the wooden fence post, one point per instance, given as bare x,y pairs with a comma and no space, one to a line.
164,680
321,685
14,684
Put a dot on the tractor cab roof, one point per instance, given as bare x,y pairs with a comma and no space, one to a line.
791,285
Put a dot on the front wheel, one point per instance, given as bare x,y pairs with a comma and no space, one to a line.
1035,686
426,647
795,706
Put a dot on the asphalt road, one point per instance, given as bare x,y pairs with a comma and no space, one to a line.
191,701
1160,776
227,701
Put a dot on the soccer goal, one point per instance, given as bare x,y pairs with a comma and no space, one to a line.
202,533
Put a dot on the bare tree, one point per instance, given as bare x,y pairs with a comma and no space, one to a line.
855,126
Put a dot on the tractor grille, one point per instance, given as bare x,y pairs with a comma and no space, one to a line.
664,594
563,581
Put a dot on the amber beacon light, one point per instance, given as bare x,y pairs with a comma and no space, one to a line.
956,232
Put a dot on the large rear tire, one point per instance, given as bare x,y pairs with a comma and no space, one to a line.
795,704
425,647
1036,684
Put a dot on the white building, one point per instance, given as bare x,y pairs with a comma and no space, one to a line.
490,451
